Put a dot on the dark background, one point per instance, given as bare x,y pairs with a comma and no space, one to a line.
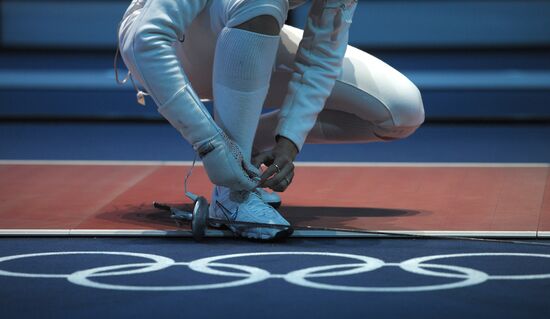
477,63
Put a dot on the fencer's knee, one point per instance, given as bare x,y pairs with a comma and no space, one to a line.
406,106
260,16
263,24
406,109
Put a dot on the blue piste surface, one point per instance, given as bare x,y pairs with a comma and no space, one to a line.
431,143
273,297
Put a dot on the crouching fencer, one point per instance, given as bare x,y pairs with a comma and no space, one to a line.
241,55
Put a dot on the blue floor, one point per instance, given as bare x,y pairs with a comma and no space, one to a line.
431,143
273,297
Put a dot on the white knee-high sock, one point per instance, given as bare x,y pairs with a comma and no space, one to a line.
242,70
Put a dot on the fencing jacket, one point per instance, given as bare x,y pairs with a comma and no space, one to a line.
317,65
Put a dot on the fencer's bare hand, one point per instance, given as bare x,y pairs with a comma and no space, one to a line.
280,167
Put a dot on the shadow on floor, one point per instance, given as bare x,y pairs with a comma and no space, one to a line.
337,217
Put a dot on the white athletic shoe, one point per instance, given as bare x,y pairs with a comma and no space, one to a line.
245,206
270,198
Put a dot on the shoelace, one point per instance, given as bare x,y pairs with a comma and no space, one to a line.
226,212
257,204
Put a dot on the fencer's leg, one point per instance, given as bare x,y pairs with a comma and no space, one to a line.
370,102
331,127
337,124
243,63
198,51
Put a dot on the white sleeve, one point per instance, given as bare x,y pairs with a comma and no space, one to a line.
148,49
153,54
317,65
150,54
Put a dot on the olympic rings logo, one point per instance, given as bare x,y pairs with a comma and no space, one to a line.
246,275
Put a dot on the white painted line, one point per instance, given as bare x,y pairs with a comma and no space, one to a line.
543,234
128,232
300,233
434,233
471,233
417,164
35,232
145,233
98,163
108,232
300,164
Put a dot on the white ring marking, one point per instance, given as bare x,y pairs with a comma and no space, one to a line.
160,263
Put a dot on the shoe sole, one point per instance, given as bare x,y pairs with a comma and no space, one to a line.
281,235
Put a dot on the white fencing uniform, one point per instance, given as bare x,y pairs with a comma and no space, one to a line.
323,90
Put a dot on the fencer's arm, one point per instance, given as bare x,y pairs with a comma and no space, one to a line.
149,51
317,65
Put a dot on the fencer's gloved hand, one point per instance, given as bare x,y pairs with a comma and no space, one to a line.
222,158
224,163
